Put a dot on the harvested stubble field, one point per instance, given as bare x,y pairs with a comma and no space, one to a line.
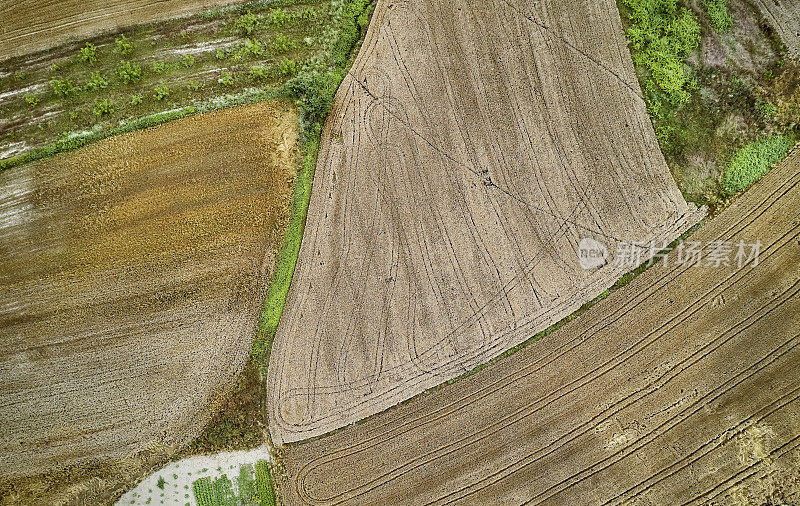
31,25
784,16
460,168
680,388
132,274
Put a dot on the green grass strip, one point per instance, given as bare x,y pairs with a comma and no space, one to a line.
750,163
203,492
266,495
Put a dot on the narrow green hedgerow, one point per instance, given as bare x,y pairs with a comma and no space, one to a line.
754,160
266,494
717,11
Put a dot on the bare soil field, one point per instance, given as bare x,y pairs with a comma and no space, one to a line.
460,168
784,16
132,274
33,25
680,388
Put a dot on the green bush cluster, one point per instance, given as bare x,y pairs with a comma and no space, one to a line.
62,87
188,60
281,43
32,100
124,46
226,78
103,107
129,72
751,162
96,82
250,47
661,36
89,53
246,23
717,11
161,91
159,67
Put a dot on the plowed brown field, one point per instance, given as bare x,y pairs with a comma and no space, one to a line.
131,277
470,150
680,388
784,16
32,25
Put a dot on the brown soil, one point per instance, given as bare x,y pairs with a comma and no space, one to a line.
680,388
30,25
470,149
132,274
784,17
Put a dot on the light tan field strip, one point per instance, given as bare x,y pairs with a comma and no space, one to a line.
30,26
681,388
459,170
132,274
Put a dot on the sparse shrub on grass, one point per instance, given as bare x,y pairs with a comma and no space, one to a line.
282,43
124,45
188,60
661,36
62,87
717,11
284,68
103,107
751,162
258,72
32,100
20,75
135,99
767,108
159,67
226,78
89,53
129,72
96,82
161,91
221,54
246,23
280,18
250,47
193,86
308,14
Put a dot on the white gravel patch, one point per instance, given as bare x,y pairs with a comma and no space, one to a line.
179,476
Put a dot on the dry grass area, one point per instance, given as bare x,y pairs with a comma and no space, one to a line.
470,149
31,25
132,274
784,16
680,388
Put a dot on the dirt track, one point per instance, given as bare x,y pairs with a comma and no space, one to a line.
32,25
460,168
132,273
784,16
680,388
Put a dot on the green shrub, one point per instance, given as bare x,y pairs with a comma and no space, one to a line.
129,72
250,47
280,18
717,11
159,67
282,43
661,36
246,23
284,68
124,46
89,53
751,162
161,91
767,108
161,482
96,82
193,86
203,492
308,14
32,100
136,99
20,75
188,60
62,87
226,78
103,107
221,53
258,72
